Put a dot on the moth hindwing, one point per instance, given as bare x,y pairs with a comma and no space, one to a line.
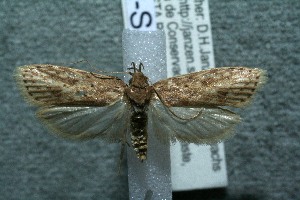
77,104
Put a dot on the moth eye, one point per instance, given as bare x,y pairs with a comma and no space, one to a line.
92,85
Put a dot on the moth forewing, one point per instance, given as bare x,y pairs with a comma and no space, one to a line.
227,86
56,85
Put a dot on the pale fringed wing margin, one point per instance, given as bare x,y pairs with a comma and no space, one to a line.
108,122
204,125
76,104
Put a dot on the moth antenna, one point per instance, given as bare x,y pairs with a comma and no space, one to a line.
140,67
80,61
109,77
172,112
115,72
95,69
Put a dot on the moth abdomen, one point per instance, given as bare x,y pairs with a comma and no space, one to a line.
138,125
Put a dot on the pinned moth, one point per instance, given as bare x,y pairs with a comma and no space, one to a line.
77,104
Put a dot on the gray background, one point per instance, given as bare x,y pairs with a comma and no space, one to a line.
263,158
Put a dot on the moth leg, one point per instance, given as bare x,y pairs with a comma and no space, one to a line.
123,141
90,65
133,67
121,157
190,118
173,113
82,61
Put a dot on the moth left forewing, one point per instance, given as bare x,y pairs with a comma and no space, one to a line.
203,125
227,86
80,123
44,84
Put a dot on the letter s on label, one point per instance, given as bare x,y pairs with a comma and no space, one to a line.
142,18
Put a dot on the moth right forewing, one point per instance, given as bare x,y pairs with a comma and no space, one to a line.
232,86
56,85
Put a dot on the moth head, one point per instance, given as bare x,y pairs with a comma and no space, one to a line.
138,80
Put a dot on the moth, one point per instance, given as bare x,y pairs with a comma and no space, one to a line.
77,104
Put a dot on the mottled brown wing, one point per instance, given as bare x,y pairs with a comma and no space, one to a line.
227,86
54,85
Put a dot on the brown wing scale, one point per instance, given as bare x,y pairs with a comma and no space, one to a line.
55,85
227,86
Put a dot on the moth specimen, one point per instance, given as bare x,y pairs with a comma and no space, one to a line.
77,104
